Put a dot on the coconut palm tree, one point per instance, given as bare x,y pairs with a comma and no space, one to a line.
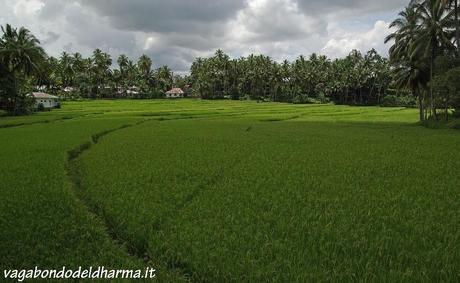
409,71
78,64
164,77
144,64
49,76
406,26
144,67
122,62
131,73
22,56
101,71
432,35
20,51
66,70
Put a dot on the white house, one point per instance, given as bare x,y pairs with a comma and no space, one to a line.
48,101
133,90
69,89
175,93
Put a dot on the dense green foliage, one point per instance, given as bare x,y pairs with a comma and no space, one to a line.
446,84
25,67
21,59
426,31
355,79
95,77
232,191
394,101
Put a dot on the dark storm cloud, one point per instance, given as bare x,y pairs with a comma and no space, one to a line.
177,59
88,29
340,6
53,9
51,37
166,16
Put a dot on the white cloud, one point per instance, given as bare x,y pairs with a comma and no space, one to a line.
276,28
27,7
343,41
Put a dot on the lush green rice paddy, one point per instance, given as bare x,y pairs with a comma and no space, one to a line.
232,191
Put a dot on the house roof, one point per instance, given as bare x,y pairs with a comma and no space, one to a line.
175,90
42,95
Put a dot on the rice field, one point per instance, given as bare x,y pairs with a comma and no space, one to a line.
223,191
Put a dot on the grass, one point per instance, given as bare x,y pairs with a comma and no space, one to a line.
232,191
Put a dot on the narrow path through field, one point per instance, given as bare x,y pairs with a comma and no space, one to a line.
74,175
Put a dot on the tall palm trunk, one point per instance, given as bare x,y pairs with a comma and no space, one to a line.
420,106
457,28
15,105
425,104
432,104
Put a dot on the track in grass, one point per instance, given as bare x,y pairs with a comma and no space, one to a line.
76,178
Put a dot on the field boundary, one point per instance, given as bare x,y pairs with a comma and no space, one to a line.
48,121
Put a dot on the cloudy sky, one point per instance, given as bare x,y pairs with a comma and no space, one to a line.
174,32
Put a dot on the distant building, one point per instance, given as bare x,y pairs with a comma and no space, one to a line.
175,93
69,89
48,101
133,90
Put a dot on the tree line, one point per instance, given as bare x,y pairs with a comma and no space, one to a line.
356,79
95,76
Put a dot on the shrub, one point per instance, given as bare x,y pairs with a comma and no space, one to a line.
398,101
323,98
457,113
407,101
304,99
456,105
40,107
23,105
390,101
